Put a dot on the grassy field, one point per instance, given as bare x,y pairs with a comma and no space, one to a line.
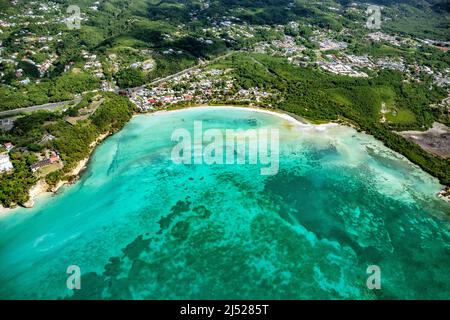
49,169
401,116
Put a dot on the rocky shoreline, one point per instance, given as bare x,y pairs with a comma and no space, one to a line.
445,194
41,187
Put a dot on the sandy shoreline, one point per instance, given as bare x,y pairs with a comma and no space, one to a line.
296,120
4,210
41,189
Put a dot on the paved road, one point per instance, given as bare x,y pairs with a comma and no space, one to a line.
47,106
56,105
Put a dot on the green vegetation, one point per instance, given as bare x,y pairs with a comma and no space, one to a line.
401,116
423,21
62,88
129,78
318,96
14,187
73,143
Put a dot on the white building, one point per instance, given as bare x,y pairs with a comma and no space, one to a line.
5,163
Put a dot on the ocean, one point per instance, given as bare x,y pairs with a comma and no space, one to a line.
140,226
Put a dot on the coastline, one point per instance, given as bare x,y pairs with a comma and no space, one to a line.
4,210
443,194
75,172
294,119
41,187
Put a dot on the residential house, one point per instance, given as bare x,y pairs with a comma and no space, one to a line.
5,163
8,146
54,158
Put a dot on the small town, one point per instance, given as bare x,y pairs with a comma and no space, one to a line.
197,87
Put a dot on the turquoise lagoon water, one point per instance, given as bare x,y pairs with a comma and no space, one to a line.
141,227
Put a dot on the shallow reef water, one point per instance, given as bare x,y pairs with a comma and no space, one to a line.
140,226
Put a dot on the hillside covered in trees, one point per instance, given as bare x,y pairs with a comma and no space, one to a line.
72,141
